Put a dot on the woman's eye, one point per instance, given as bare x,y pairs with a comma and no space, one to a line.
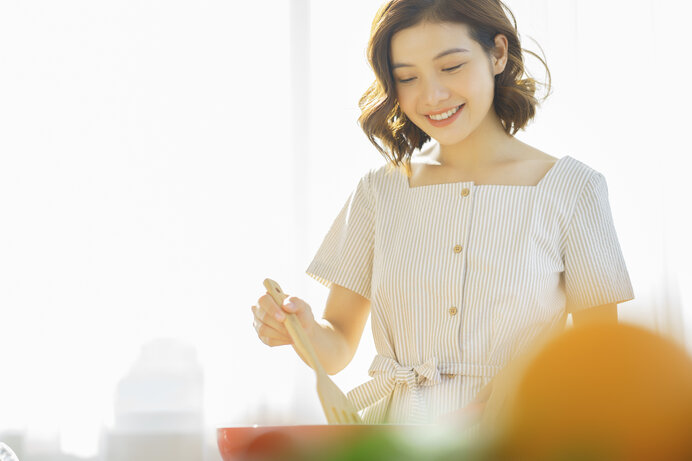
453,68
448,69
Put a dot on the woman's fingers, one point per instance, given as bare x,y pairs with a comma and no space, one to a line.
484,393
302,310
269,306
270,317
267,333
274,342
263,317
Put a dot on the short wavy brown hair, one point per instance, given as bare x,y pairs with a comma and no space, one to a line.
381,117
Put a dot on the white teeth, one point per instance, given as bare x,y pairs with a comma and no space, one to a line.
445,115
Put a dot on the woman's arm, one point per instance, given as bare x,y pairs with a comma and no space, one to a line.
335,338
606,313
341,328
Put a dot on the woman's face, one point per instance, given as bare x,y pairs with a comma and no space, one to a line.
439,69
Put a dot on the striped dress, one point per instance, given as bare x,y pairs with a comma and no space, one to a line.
461,277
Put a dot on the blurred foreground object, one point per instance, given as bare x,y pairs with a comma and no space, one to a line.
6,453
602,392
158,406
345,442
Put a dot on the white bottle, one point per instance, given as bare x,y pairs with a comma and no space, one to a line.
6,453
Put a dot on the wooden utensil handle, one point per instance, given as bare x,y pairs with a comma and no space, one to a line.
295,329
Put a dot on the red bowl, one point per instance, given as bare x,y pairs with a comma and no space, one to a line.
321,442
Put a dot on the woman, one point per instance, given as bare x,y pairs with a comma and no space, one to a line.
471,252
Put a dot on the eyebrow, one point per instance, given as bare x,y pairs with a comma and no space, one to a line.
444,53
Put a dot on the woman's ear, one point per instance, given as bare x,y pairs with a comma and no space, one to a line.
499,54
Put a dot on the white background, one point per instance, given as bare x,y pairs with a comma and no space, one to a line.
159,159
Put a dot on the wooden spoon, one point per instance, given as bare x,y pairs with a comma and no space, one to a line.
337,407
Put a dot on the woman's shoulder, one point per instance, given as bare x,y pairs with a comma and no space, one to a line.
571,167
579,172
383,174
531,157
528,152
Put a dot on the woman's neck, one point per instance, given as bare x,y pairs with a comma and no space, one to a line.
488,145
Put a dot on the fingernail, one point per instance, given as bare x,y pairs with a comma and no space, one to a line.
279,316
290,306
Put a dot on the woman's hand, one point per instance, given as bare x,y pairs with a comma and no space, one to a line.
473,412
270,317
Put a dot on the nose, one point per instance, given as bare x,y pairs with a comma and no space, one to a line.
434,91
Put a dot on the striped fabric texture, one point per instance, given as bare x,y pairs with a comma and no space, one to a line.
462,277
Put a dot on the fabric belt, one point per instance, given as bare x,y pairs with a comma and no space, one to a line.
387,373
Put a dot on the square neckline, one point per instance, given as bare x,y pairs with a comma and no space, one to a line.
535,186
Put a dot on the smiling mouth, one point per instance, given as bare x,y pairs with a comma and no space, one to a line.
444,115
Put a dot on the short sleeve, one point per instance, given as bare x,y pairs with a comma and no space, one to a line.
346,254
594,268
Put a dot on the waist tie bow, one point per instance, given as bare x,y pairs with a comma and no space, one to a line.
387,373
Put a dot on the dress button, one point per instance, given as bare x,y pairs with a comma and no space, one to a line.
457,248
452,311
465,191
